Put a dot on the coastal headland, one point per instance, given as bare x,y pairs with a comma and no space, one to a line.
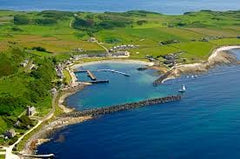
219,56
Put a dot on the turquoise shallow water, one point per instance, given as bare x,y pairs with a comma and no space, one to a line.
205,124
162,6
120,89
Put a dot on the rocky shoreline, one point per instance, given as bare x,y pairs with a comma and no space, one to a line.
60,122
219,56
48,130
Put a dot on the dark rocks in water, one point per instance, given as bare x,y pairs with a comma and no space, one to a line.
61,138
142,68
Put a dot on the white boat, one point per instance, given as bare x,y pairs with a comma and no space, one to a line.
183,89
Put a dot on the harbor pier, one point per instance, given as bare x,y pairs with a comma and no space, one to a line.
91,75
46,156
122,107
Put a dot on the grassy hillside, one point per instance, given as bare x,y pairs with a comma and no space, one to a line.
21,86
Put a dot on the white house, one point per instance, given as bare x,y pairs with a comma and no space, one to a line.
30,111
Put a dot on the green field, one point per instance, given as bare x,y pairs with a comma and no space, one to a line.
61,32
67,77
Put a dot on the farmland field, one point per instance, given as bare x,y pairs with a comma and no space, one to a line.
195,34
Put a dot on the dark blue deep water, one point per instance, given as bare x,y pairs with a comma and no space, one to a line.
204,125
162,6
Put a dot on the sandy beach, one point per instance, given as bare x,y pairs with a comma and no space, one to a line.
75,66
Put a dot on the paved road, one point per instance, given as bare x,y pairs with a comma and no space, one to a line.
9,154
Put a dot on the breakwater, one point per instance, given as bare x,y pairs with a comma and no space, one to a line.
160,80
122,107
114,71
102,70
99,81
91,75
49,156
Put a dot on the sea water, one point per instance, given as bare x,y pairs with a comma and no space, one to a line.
162,6
120,89
204,124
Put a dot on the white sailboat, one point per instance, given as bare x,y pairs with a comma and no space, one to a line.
183,89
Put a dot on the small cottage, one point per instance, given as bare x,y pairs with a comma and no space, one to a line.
10,133
92,39
24,63
31,111
53,91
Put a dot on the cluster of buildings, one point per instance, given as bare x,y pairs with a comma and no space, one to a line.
122,47
169,42
121,50
26,62
59,70
78,50
96,55
170,59
120,54
78,57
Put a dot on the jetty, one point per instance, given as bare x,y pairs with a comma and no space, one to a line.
91,75
99,81
123,107
114,71
160,80
50,156
79,71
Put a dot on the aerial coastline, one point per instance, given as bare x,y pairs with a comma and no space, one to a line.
217,57
61,122
43,75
